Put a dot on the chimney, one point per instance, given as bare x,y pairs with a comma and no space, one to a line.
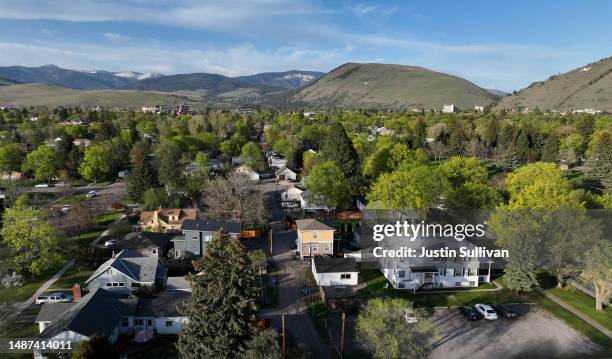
76,292
114,256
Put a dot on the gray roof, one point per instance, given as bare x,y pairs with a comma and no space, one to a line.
98,312
335,265
51,311
210,225
138,267
146,240
178,283
166,304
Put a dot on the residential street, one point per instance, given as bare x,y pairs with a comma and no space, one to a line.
291,301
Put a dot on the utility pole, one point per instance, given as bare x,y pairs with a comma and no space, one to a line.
270,240
342,336
284,338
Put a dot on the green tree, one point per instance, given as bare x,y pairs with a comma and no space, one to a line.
569,147
418,189
338,148
329,185
34,243
169,172
154,198
263,345
142,175
598,270
599,160
96,347
251,155
381,326
11,158
460,170
96,162
472,195
222,309
44,161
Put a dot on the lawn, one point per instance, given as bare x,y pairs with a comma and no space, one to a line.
74,199
106,218
584,303
70,278
19,294
84,238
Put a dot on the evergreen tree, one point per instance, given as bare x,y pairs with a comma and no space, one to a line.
142,175
599,160
338,148
550,151
222,309
420,133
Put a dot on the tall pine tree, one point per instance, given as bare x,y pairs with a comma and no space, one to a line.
222,309
142,176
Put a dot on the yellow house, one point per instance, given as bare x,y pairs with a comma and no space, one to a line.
165,219
314,237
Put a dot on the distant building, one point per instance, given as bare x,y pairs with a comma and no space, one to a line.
449,108
479,108
149,109
248,171
589,111
183,109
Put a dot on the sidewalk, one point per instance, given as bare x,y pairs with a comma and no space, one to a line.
577,313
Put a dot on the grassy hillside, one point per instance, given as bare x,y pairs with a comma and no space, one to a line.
585,87
355,85
46,95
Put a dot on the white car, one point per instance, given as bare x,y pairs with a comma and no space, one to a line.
92,194
42,185
110,243
65,209
62,184
53,298
486,311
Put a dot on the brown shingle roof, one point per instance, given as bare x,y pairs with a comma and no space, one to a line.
311,224
165,213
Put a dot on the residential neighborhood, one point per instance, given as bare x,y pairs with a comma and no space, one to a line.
305,180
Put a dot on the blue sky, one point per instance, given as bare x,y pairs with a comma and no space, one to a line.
504,45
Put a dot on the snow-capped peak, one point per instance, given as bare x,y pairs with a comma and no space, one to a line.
137,75
303,77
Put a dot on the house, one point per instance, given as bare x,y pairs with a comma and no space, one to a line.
275,161
285,174
248,171
449,108
128,271
84,142
416,273
329,271
314,237
479,108
100,312
165,219
147,243
105,313
292,194
197,232
310,201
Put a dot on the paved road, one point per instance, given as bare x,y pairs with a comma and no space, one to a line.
291,302
577,313
20,307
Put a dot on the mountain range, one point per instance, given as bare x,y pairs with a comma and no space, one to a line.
349,86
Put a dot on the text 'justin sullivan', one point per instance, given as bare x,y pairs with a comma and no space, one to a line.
463,252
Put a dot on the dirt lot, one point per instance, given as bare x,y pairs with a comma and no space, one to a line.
534,334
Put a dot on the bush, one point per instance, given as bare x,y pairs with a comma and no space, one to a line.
12,280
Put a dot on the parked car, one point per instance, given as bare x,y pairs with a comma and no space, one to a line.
110,243
289,205
53,298
92,194
65,209
486,311
62,184
504,311
42,185
469,313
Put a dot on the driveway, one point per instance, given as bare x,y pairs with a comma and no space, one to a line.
300,327
534,334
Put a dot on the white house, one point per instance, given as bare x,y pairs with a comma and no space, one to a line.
479,108
292,194
128,271
449,108
277,162
247,170
328,271
285,174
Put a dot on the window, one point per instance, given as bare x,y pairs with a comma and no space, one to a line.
315,235
208,238
315,247
442,272
345,276
457,284
154,250
168,324
115,284
194,237
400,285
121,284
177,253
401,274
327,247
109,284
472,283
109,271
472,271
138,322
149,323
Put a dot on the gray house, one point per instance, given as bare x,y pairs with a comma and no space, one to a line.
128,271
199,231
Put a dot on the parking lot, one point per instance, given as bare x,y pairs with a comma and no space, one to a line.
533,334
